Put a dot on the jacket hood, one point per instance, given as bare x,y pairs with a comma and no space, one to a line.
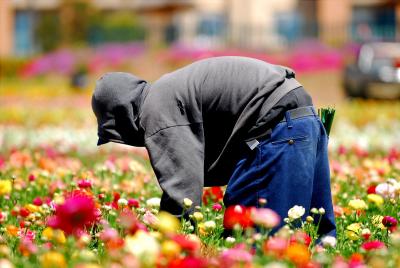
116,102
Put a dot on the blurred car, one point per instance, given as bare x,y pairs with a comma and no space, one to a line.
376,72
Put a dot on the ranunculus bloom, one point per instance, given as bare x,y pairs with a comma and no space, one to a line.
133,203
296,212
235,257
389,222
357,204
85,183
74,215
328,241
353,231
371,245
217,207
188,262
300,237
237,215
214,194
386,190
275,246
265,217
298,254
376,199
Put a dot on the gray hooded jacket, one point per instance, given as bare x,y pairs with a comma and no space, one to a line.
191,120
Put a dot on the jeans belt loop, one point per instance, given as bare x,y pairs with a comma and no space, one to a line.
288,119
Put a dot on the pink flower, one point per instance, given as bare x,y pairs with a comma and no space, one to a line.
217,207
75,214
133,203
372,245
235,256
108,234
149,218
276,246
265,217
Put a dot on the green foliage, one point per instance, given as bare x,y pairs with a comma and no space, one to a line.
47,32
117,26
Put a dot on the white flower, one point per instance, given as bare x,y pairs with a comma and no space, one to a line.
153,202
386,190
230,240
210,225
144,246
296,212
328,241
321,211
122,202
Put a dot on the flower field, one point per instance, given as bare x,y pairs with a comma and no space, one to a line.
66,203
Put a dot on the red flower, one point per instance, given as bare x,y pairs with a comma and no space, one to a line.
24,212
237,215
83,184
77,213
371,189
213,194
188,262
300,237
186,244
372,245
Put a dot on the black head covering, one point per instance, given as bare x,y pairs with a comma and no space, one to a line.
116,102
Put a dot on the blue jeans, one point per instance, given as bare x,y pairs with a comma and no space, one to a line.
289,167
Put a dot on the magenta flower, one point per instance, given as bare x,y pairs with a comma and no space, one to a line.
217,207
389,222
372,245
37,201
133,203
76,214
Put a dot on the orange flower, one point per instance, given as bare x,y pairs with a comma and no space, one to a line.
298,254
12,230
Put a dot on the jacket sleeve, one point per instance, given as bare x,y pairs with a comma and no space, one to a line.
177,157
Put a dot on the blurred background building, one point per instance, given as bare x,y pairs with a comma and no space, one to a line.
32,26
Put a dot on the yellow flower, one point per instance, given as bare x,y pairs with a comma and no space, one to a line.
198,216
170,249
5,187
54,235
167,223
353,231
53,259
32,208
48,233
377,221
376,199
357,204
59,237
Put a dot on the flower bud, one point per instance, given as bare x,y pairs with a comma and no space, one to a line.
198,216
187,203
321,211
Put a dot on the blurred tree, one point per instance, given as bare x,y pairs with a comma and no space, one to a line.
118,26
47,32
75,17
